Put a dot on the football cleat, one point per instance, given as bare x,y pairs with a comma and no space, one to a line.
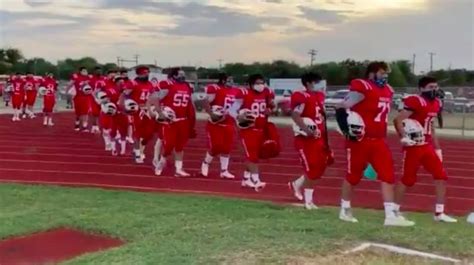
295,190
345,214
398,220
444,218
180,173
310,206
227,175
204,169
247,183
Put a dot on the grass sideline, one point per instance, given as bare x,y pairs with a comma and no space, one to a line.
177,229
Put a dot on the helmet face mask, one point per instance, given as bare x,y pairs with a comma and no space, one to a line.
356,126
414,131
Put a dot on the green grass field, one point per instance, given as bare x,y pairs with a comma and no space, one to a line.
177,229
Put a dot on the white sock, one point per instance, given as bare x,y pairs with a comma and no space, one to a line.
389,209
439,208
208,158
255,177
45,120
157,150
106,136
299,182
396,207
224,163
123,145
136,152
345,204
246,175
308,195
50,120
178,164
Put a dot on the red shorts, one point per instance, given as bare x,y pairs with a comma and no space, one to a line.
95,108
373,151
81,105
17,101
48,104
175,136
425,156
313,156
143,126
252,140
220,138
120,124
106,121
30,97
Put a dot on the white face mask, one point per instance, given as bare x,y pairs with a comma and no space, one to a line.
259,87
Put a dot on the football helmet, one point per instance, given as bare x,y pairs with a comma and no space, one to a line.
414,131
356,125
309,123
131,106
249,120
109,108
101,97
87,89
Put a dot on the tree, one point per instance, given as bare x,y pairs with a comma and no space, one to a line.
396,77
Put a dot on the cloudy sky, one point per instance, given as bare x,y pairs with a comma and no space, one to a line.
201,32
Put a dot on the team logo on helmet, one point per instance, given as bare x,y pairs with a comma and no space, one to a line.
356,125
309,123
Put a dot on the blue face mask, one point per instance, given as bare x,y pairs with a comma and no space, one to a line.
381,82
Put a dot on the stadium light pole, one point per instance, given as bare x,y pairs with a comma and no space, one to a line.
431,60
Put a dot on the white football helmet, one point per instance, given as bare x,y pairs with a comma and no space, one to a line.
42,90
131,106
309,123
250,117
168,113
101,97
356,125
109,108
87,89
414,131
9,88
218,110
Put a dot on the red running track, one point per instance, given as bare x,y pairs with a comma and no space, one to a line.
33,154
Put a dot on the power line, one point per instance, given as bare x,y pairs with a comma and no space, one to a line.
312,54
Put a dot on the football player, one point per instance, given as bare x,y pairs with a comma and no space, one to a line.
175,110
18,95
50,85
106,95
221,126
30,86
414,125
81,90
98,83
365,127
251,111
311,140
139,90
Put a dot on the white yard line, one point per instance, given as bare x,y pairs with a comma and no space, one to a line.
401,250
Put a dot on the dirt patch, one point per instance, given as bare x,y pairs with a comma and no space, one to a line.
52,246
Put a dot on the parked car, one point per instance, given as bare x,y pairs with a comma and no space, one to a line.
198,100
463,105
332,101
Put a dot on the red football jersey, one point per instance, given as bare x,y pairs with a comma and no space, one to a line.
112,91
258,103
17,84
30,84
141,91
374,108
311,105
79,82
224,96
97,82
178,98
424,111
51,85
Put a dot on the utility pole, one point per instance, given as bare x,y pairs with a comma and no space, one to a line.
313,54
220,63
118,61
136,59
431,60
413,63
